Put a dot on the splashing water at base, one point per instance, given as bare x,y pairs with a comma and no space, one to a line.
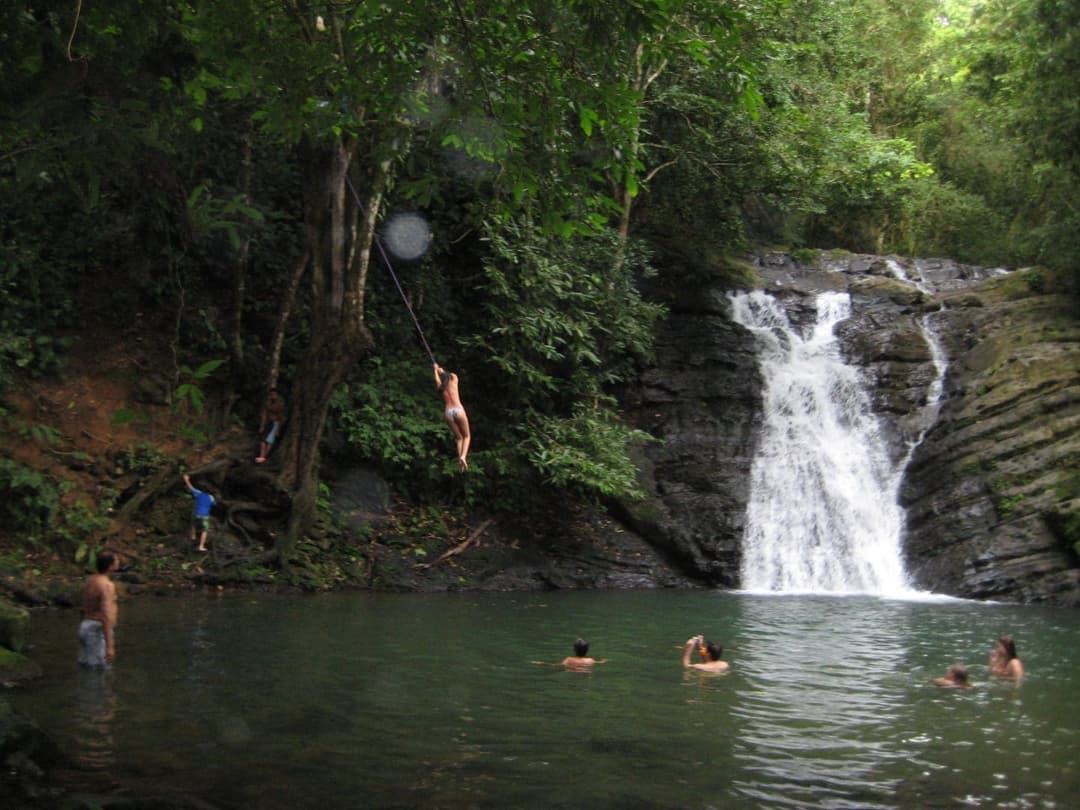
823,516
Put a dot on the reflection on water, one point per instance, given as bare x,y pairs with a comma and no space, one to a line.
823,701
95,712
359,700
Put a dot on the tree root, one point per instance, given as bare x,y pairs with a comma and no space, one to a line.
460,547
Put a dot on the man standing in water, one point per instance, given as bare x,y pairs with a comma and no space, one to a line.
710,651
97,645
456,417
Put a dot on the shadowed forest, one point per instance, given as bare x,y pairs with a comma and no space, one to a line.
204,201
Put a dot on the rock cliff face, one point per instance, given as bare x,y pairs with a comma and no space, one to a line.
993,492
702,403
992,483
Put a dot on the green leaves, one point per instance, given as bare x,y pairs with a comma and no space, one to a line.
585,452
565,323
189,392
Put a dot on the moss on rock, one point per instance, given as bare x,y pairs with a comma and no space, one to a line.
14,626
16,667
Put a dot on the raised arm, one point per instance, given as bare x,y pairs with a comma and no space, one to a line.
691,643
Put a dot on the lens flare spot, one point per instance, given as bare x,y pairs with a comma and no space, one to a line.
407,236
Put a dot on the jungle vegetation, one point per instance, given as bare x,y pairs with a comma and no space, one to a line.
232,173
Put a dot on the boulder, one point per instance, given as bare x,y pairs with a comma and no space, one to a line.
14,626
15,667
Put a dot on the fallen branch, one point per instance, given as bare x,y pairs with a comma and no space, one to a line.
460,547
160,482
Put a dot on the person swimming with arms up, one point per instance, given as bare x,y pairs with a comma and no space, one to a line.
710,651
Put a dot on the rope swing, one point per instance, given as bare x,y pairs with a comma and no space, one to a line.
393,275
454,411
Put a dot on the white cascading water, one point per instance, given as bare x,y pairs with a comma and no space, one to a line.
823,515
937,354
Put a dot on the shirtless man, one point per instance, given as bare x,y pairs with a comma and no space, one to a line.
580,660
447,383
97,646
710,651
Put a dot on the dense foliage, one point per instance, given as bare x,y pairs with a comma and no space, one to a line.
227,170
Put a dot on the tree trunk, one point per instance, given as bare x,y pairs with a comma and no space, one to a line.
236,325
340,235
283,320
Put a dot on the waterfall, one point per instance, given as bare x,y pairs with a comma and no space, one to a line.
823,513
937,353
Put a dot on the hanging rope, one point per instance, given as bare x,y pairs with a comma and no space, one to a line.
393,275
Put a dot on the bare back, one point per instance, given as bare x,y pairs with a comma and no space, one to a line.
99,600
450,393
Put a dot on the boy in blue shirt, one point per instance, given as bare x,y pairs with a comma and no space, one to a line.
200,518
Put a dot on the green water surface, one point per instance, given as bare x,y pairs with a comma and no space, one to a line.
362,700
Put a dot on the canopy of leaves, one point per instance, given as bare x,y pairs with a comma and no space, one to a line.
568,156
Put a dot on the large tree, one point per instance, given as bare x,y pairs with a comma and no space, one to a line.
351,91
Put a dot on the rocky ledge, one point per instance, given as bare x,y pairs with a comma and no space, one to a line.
992,482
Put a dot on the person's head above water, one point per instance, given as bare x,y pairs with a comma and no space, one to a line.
711,650
1008,645
958,674
581,648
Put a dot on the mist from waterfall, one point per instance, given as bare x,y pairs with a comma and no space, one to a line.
823,515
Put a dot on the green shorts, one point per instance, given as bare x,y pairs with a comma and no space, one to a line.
200,522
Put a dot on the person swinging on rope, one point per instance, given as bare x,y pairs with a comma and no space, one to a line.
447,383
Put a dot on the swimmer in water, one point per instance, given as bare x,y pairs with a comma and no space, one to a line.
1003,660
710,651
955,675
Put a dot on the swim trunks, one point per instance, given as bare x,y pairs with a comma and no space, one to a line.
453,412
92,643
271,436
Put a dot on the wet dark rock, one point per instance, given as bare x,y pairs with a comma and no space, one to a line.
99,802
14,626
992,491
359,497
15,667
701,400
597,553
26,756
